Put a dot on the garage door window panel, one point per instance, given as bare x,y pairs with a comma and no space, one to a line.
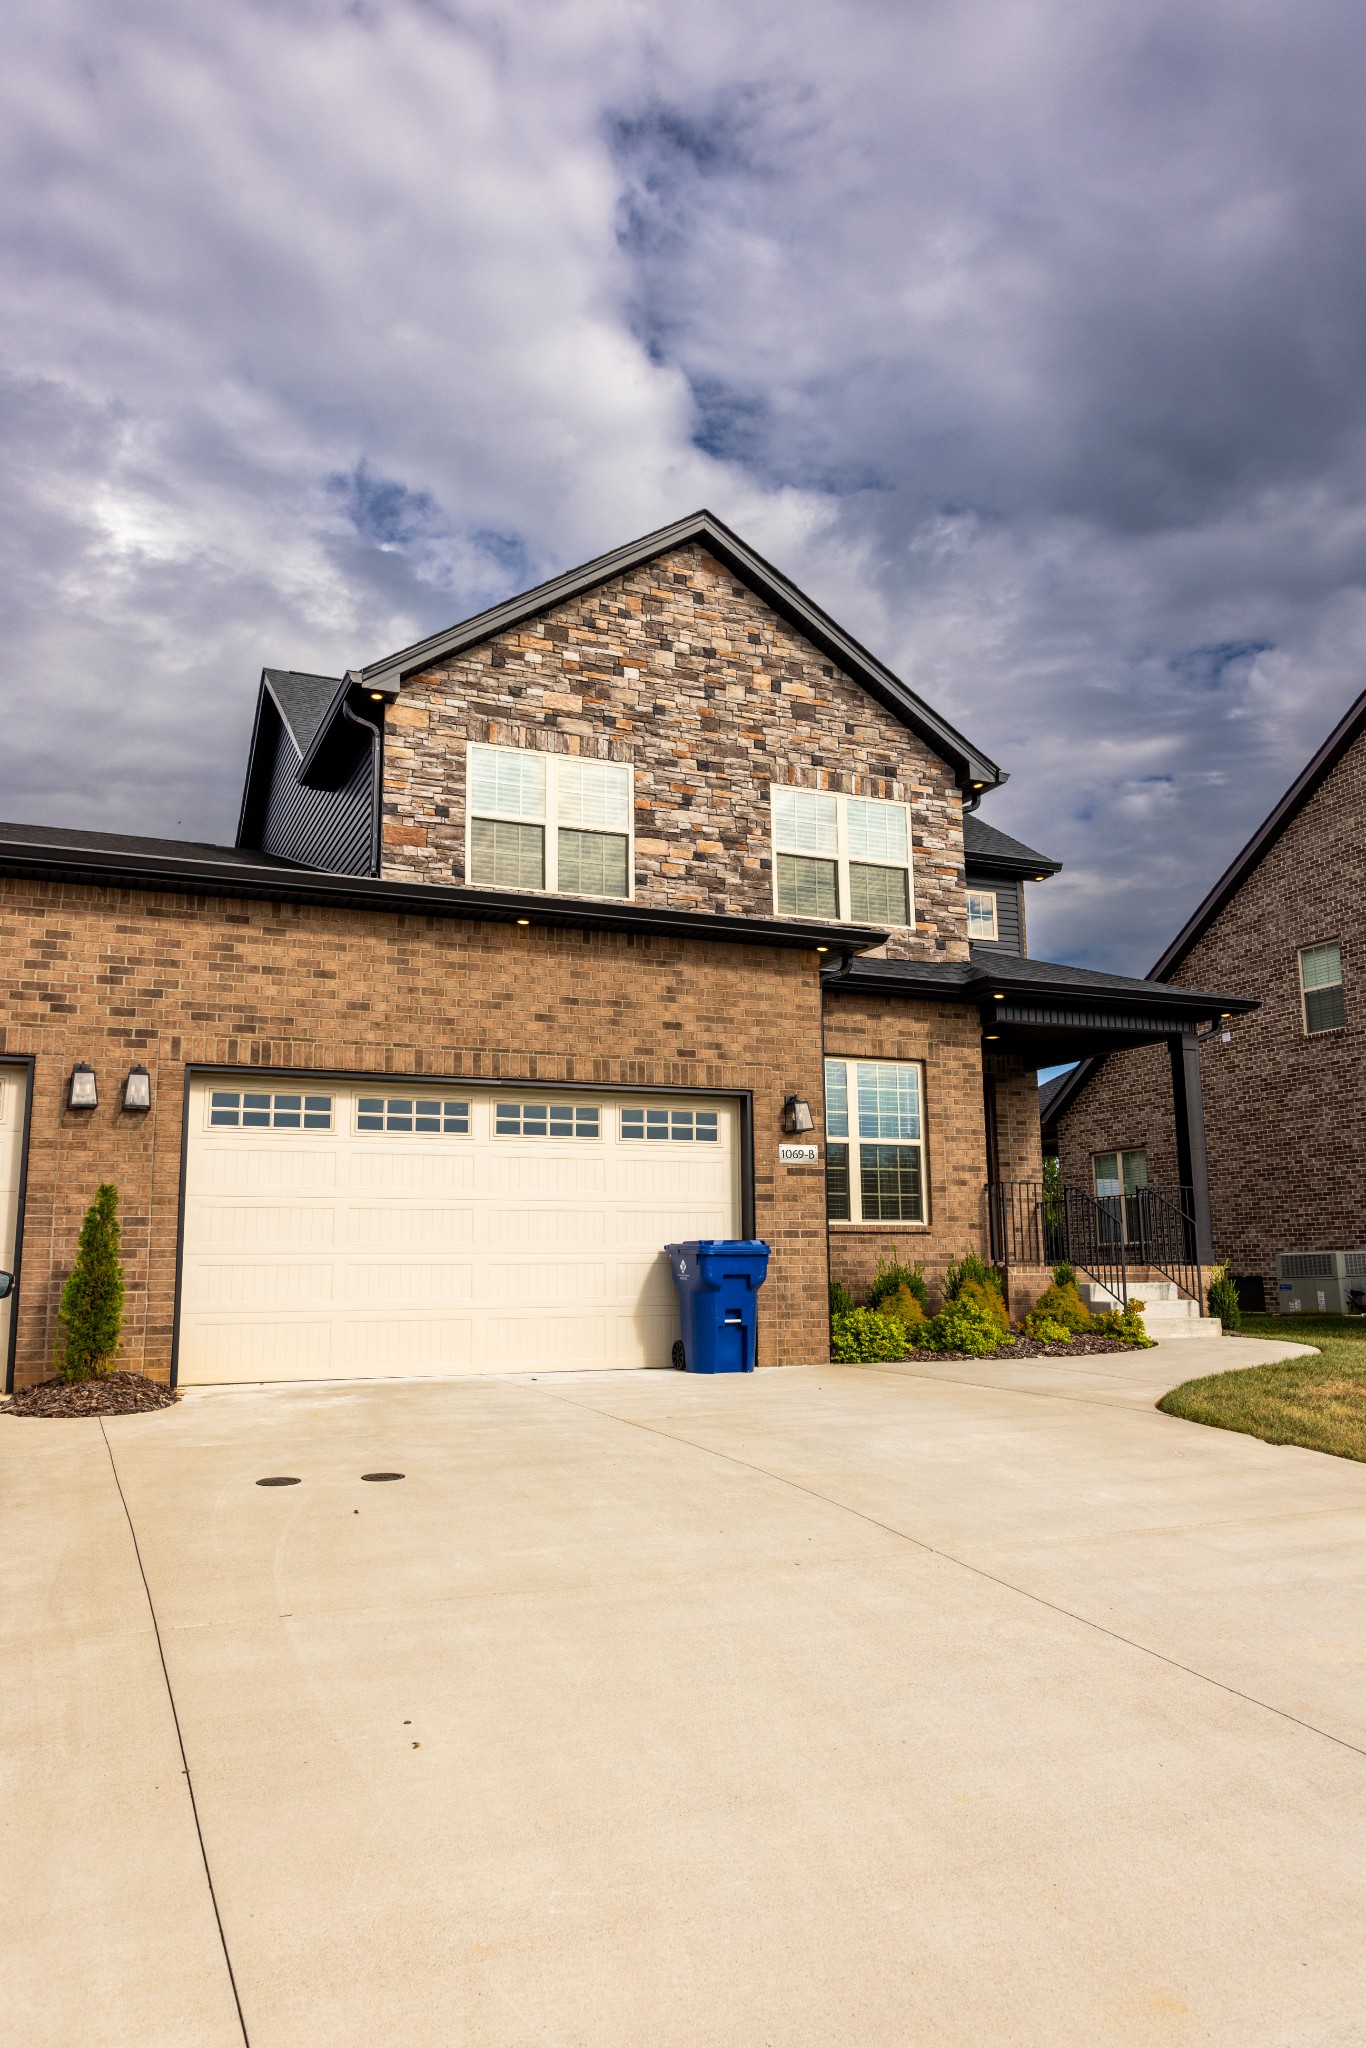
670,1126
549,823
546,1120
875,1168
420,1115
260,1110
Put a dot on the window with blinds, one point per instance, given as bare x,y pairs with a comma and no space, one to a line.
841,857
874,1142
549,822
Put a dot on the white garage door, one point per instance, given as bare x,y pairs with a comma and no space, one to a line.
13,1095
333,1232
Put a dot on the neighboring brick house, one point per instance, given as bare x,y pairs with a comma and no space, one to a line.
1281,1084
538,943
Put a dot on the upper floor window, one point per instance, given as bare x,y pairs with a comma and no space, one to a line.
844,857
548,821
982,920
874,1142
1321,987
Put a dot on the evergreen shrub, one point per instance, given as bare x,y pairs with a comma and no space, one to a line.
864,1336
91,1307
892,1275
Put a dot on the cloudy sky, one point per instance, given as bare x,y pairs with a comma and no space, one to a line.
1028,335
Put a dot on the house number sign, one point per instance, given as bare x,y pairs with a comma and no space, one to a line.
799,1155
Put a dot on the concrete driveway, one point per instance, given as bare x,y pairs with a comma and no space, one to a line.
978,1706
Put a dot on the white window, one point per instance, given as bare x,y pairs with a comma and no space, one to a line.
413,1113
982,914
1321,988
679,1126
544,1120
845,857
874,1142
241,1109
548,822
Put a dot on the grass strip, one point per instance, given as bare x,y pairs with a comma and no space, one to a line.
1318,1403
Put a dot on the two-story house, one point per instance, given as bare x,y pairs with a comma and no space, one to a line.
645,906
1287,1156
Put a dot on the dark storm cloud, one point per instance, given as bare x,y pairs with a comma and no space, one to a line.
1030,338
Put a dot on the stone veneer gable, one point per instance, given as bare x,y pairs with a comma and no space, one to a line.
684,672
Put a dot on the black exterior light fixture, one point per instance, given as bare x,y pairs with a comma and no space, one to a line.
81,1092
137,1090
797,1114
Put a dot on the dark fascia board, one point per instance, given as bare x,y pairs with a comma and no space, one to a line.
1347,730
975,770
977,981
1003,855
280,882
1009,867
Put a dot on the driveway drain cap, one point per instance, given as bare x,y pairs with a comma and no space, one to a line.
382,1475
277,1482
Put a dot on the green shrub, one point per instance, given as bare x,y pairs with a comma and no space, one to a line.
91,1307
1048,1329
985,1297
1064,1275
863,1336
1126,1324
841,1300
1061,1304
971,1268
1221,1297
908,1309
891,1276
963,1325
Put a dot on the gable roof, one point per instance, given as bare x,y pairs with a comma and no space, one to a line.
303,701
985,847
974,769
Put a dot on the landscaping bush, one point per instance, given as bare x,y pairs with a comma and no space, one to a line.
908,1309
1060,1304
1064,1275
963,1325
91,1307
864,1336
1221,1297
841,1300
891,1276
985,1297
971,1269
1048,1330
1126,1324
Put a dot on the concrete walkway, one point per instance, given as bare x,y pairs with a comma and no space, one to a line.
963,1706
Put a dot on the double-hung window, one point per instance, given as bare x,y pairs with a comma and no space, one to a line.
1321,988
874,1142
549,822
841,857
982,920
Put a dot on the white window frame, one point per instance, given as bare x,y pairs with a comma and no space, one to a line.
854,1140
549,823
985,938
841,857
272,1101
1319,946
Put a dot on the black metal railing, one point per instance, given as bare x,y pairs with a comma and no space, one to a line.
1034,1223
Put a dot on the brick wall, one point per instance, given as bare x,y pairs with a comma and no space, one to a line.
114,977
1286,1137
682,671
947,1038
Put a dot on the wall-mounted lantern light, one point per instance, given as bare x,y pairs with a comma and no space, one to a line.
81,1091
137,1089
797,1114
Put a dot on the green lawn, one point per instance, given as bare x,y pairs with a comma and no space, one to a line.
1319,1403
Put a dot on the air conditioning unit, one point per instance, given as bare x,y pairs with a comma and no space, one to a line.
1319,1283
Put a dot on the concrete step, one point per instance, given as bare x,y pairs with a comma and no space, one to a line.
1167,1314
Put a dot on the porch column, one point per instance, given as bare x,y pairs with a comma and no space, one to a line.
1192,1161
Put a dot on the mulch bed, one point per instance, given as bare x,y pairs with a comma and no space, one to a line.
1030,1347
118,1393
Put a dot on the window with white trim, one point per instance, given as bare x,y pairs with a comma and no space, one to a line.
874,1142
1321,988
242,1109
550,822
982,914
841,857
418,1114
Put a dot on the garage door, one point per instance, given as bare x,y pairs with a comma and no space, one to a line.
333,1232
13,1094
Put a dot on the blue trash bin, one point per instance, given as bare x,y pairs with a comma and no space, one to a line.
718,1281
